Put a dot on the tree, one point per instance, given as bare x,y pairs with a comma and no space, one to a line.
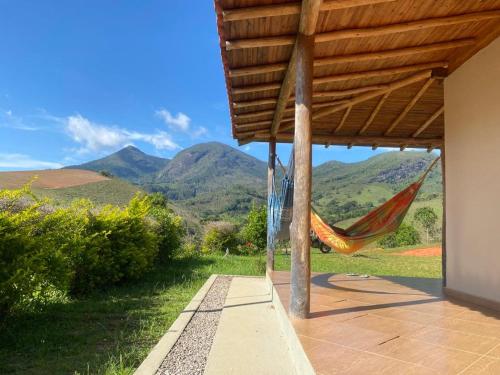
427,218
406,235
255,229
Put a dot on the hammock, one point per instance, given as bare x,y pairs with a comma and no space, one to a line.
280,207
372,227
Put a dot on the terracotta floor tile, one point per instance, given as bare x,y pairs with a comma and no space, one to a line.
393,326
485,366
336,359
386,366
443,360
345,334
495,352
389,326
488,330
405,315
480,316
457,340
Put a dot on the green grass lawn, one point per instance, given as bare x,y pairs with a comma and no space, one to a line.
112,332
371,262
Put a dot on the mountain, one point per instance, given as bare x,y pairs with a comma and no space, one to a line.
129,163
213,179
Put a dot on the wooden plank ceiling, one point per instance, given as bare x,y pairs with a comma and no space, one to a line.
378,70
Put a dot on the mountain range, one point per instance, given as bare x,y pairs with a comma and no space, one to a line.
215,181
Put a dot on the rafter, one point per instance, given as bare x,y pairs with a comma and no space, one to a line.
318,94
429,122
365,74
343,121
290,9
374,113
380,72
358,140
409,106
389,29
369,56
370,95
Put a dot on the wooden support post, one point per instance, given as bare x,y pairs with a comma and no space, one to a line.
300,234
443,228
271,165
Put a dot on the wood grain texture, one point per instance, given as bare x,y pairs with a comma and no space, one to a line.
351,37
300,234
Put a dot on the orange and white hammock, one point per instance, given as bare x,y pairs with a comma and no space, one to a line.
376,224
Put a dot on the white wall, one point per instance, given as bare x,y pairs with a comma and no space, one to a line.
472,143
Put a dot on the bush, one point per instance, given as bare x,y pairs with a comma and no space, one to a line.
117,245
255,229
248,248
76,249
406,235
30,267
169,229
218,237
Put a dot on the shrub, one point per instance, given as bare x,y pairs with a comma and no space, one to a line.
169,229
30,267
118,245
248,248
406,235
75,249
255,229
218,237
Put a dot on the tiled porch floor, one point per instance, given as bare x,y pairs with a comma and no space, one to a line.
393,325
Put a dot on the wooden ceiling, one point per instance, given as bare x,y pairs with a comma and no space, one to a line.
378,70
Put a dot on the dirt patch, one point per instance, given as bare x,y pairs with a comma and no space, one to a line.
426,252
49,179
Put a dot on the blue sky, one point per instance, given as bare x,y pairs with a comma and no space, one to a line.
81,79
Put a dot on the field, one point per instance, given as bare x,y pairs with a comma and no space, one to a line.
110,333
111,191
64,185
49,179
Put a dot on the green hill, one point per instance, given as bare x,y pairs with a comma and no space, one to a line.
129,163
214,180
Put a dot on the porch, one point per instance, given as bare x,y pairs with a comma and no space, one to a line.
397,325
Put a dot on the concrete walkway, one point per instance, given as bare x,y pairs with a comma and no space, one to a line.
249,339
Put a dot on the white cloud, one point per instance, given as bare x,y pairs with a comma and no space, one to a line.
9,120
179,122
96,137
201,131
21,161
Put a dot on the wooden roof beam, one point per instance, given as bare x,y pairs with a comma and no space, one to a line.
409,106
290,9
433,118
389,29
375,112
307,25
370,95
341,140
249,115
318,94
344,119
380,72
369,56
350,76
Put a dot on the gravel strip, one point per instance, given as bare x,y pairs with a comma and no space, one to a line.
190,353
